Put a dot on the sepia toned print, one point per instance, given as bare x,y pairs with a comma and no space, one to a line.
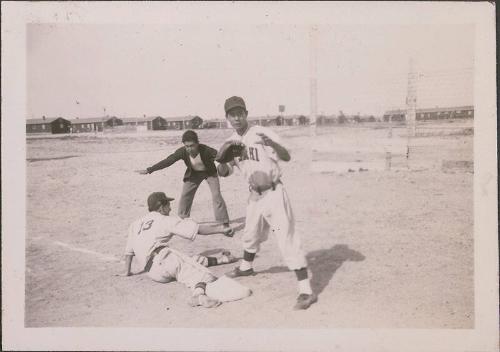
344,170
379,178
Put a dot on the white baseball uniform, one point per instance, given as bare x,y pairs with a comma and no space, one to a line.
154,230
271,210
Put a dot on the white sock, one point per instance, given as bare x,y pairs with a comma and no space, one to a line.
305,286
244,265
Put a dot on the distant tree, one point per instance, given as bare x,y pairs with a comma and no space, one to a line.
196,122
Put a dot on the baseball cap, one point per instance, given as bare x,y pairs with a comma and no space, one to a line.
234,102
156,199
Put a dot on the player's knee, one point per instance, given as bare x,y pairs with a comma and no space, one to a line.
162,279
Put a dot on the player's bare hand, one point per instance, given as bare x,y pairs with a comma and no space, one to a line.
142,172
265,139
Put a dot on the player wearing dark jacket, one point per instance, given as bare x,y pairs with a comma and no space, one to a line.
199,160
207,155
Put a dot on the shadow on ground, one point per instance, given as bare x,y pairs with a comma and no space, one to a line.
323,263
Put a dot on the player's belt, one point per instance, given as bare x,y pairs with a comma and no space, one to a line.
263,189
153,254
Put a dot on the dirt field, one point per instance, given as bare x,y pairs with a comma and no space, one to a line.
387,249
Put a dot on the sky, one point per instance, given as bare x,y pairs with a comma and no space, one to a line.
78,70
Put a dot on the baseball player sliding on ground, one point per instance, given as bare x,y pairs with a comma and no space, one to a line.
148,239
269,208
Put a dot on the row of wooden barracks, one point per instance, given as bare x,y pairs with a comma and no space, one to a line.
459,112
61,125
399,115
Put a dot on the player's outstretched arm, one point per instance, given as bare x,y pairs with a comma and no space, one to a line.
171,159
128,266
214,229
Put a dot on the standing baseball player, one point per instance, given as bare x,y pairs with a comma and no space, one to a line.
268,208
199,160
148,239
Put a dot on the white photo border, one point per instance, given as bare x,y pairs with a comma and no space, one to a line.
15,16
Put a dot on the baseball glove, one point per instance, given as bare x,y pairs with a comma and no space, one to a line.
229,151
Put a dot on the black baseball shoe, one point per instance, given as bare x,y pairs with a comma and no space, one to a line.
236,272
304,301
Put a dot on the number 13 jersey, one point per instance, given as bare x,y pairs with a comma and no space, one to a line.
153,230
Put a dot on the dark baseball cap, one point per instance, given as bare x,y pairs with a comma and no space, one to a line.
234,102
156,199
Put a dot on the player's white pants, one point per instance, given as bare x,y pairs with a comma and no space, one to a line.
272,211
169,265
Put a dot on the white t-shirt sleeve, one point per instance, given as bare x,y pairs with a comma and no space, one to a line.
185,228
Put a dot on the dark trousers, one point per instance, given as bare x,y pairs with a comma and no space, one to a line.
189,190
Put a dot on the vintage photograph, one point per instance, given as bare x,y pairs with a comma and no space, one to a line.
267,175
351,196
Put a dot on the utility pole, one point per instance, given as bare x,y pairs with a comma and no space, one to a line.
411,107
103,119
411,101
313,78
